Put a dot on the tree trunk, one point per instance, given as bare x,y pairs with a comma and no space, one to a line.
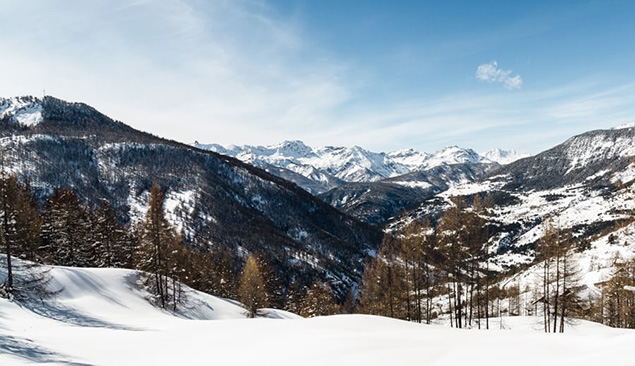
556,295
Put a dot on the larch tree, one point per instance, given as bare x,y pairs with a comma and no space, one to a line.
251,292
383,282
319,301
453,246
154,243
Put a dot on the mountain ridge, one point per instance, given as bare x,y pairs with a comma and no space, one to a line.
329,167
215,200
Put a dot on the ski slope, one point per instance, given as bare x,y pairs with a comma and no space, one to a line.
102,318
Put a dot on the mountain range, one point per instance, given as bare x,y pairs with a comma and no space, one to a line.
214,200
584,185
259,198
320,169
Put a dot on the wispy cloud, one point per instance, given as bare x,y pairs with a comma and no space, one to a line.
232,70
490,72
236,71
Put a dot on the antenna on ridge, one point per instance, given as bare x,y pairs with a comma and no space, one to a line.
43,92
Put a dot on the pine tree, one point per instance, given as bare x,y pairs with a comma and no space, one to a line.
252,291
28,225
65,229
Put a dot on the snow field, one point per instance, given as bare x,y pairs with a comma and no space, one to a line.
102,318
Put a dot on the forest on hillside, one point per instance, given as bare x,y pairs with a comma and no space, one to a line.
421,273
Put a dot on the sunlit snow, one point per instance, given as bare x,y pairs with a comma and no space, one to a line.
102,318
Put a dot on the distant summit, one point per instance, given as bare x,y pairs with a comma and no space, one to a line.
504,157
320,169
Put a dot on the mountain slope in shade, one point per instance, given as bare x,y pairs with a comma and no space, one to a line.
377,202
213,199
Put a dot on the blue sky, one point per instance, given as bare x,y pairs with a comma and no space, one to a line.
384,75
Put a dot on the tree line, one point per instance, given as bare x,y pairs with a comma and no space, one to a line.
420,272
64,231
422,263
425,271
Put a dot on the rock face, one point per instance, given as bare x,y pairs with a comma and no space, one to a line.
213,199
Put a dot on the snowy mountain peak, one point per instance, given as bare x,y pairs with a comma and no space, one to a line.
23,110
329,166
597,146
293,148
625,125
458,155
503,157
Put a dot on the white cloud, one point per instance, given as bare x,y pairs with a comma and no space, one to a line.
491,73
224,71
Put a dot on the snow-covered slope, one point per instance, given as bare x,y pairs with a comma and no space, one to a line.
102,318
23,110
329,167
585,185
213,199
503,156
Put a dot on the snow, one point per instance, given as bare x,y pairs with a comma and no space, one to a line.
24,110
595,265
420,185
177,204
102,318
504,156
583,150
624,126
625,176
469,188
350,164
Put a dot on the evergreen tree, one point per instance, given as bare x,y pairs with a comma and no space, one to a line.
8,205
65,229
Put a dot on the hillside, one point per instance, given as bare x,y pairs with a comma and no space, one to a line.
213,200
378,202
102,318
585,185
